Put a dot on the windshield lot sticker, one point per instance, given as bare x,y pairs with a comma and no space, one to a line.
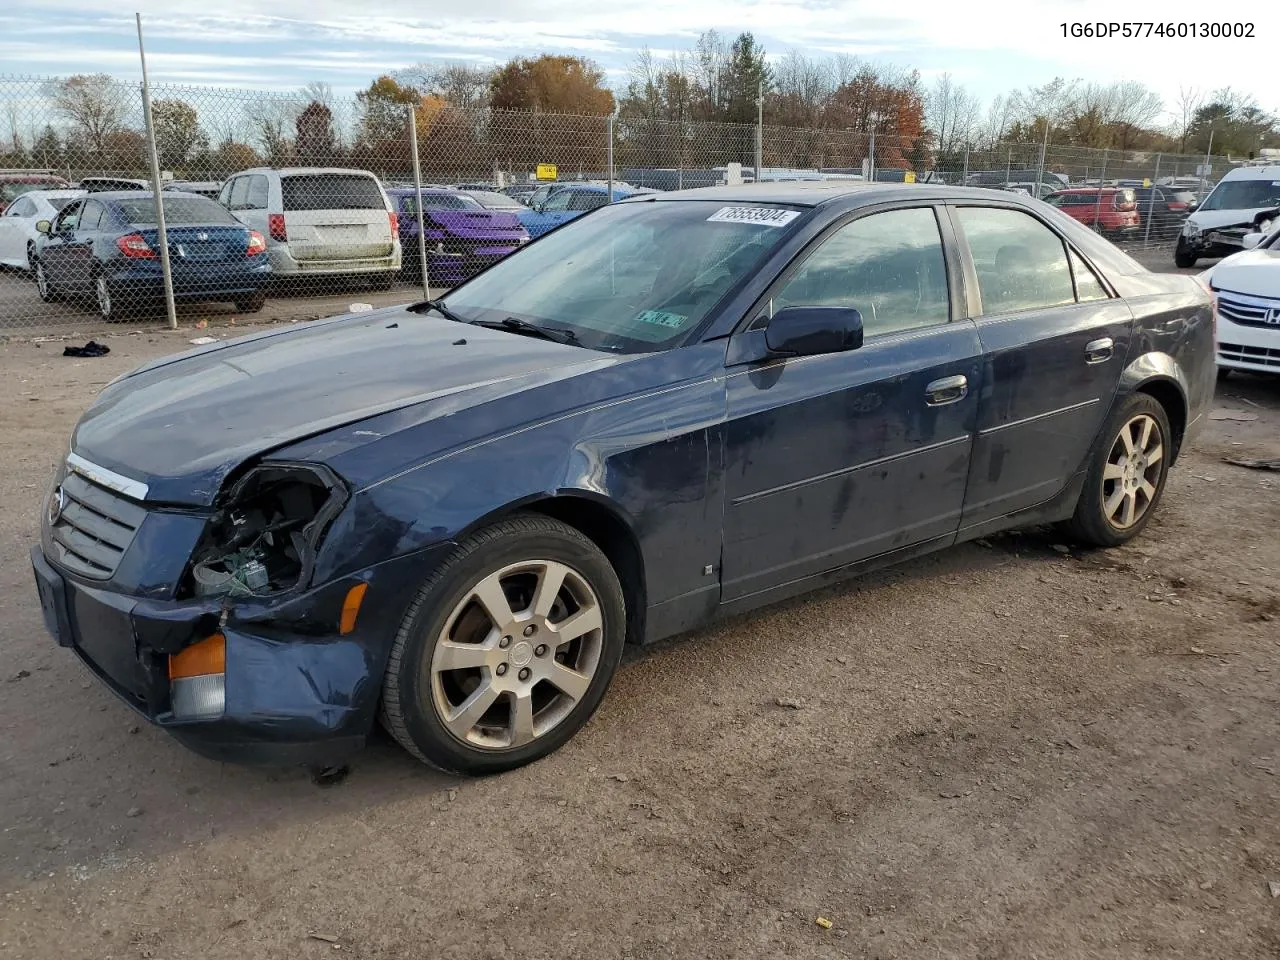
660,318
760,216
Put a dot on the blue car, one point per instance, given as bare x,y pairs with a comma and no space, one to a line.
106,247
567,203
451,516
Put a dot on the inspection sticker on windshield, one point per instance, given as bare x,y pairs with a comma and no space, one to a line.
660,318
760,216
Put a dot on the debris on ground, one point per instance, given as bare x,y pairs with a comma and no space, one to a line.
322,937
329,776
1061,548
201,341
90,349
789,702
1270,463
133,812
359,307
824,923
620,777
1274,888
20,675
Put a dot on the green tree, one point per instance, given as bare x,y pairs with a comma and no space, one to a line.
178,133
384,120
747,74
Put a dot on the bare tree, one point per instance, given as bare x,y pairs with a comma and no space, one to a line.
316,91
952,114
271,121
96,105
802,89
462,85
1189,102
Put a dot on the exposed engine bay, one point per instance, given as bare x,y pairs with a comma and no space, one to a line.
263,540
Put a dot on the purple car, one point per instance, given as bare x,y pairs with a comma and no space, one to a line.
463,237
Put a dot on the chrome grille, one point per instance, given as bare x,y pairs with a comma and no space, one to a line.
1249,311
1262,356
94,528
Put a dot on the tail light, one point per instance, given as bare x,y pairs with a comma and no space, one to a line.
275,227
395,224
1177,205
135,247
257,244
1121,202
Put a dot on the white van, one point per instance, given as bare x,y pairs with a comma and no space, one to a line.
1239,198
319,220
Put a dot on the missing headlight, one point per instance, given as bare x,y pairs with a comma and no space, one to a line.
263,539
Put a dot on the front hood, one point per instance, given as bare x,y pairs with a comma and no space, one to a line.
182,424
1209,219
477,224
1255,273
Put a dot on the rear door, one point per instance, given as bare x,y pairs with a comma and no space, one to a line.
1053,339
13,231
79,251
335,216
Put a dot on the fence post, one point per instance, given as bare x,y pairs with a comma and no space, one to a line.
759,131
1097,205
417,183
1151,202
610,153
965,181
871,157
171,310
1044,148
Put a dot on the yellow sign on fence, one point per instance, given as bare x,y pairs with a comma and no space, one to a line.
909,177
546,171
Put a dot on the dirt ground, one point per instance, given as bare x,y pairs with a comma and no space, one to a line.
1006,750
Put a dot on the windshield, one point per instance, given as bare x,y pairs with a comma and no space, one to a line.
632,276
11,190
438,201
1243,195
176,210
495,201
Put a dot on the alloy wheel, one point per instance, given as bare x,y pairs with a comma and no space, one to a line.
516,655
42,282
1131,476
104,298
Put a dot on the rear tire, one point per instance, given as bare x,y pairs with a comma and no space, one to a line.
1127,473
31,258
1182,257
107,298
525,613
252,304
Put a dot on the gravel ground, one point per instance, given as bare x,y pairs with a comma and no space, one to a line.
1006,750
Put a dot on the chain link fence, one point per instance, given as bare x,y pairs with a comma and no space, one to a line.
294,207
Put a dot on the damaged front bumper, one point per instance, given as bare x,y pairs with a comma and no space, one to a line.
296,689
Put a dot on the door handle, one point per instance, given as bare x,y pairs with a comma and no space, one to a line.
947,390
1096,351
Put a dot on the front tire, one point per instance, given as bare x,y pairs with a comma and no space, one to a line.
43,286
1126,476
507,649
1183,257
252,304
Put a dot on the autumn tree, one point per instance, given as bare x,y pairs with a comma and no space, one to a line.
551,84
178,133
314,142
230,157
384,120
95,104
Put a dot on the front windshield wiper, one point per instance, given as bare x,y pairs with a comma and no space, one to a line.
436,305
524,328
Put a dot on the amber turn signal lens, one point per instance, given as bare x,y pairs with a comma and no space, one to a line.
351,608
200,659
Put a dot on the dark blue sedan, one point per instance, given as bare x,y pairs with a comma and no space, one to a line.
452,516
106,247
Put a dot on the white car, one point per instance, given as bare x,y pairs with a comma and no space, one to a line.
1239,197
18,232
319,220
1246,288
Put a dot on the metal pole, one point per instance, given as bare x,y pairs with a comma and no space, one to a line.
1008,166
170,310
1097,206
1044,148
871,158
965,181
610,153
1207,161
759,131
417,183
1151,201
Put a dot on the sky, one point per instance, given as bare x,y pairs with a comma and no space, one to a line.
990,47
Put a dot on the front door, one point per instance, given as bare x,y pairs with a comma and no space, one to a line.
57,252
1053,342
836,458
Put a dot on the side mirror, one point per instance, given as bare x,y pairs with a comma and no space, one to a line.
43,226
805,331
1251,240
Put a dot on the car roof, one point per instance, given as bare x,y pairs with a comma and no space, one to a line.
1259,172
109,196
56,194
295,171
813,193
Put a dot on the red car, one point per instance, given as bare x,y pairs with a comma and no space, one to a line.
1111,211
15,184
